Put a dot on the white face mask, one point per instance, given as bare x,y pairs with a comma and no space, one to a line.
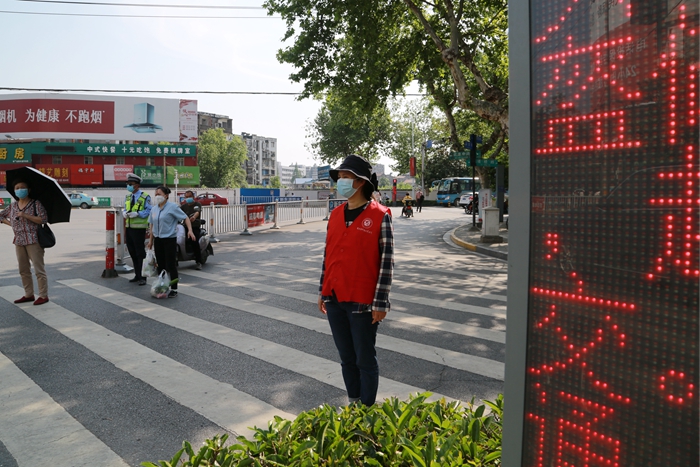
160,199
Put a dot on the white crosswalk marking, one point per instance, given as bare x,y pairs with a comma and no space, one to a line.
498,311
325,371
219,402
34,424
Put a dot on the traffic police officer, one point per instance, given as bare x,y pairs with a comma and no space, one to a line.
137,208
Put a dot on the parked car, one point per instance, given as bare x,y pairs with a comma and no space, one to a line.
207,199
82,200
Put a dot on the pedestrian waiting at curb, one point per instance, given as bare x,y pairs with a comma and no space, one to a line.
25,216
137,207
356,275
163,223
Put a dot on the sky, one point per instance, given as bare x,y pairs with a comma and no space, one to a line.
118,53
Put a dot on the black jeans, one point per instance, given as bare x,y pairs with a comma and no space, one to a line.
135,243
355,337
166,256
195,244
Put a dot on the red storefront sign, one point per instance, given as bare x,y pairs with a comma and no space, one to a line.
85,174
256,214
57,116
60,172
3,178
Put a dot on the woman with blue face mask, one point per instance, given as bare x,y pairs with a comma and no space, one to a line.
25,216
356,275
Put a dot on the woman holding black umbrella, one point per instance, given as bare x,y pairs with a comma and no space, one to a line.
25,216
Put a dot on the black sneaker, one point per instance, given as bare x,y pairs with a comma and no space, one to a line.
135,279
172,294
142,281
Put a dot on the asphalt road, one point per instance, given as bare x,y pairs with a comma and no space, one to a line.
106,375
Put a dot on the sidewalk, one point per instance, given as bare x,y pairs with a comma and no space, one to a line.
463,237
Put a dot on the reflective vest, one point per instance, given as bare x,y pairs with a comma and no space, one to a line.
136,222
352,255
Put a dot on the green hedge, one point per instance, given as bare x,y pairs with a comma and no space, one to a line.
396,433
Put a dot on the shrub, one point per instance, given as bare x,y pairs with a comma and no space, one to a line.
396,433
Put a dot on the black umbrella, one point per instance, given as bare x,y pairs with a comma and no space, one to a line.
42,188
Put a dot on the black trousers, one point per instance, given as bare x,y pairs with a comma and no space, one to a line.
195,244
135,243
166,256
419,205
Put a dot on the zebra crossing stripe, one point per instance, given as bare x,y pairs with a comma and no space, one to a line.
35,424
471,363
221,403
466,280
440,325
319,369
498,311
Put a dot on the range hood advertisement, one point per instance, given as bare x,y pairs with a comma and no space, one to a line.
75,116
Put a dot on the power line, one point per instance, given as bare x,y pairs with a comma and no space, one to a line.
145,5
128,91
136,16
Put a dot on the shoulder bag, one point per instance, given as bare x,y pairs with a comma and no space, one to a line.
46,237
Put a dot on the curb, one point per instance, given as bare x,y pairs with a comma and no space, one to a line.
478,248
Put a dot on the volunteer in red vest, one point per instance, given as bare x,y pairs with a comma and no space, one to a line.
358,266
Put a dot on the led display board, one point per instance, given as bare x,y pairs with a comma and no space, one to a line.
611,369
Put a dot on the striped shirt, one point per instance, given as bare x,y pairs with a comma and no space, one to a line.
386,264
24,229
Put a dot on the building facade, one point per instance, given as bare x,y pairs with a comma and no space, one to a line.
208,121
261,164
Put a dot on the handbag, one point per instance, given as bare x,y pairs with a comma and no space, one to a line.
46,237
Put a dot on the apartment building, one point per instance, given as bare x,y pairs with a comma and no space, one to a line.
262,159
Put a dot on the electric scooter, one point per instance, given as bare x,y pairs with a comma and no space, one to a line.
184,248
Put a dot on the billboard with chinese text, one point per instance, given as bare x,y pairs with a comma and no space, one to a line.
187,176
117,173
74,116
150,175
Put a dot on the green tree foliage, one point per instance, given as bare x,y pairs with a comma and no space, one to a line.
220,160
342,128
275,182
366,51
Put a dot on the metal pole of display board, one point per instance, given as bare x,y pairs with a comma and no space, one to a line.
518,245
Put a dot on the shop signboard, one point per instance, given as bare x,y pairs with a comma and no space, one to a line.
77,116
59,172
187,175
117,173
3,178
85,174
15,153
150,175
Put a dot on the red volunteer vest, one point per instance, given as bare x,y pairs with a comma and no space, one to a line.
352,255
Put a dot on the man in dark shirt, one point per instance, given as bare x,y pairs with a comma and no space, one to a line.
193,210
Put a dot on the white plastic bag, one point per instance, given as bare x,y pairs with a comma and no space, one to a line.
149,265
161,286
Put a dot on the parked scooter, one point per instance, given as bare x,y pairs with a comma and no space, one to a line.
184,248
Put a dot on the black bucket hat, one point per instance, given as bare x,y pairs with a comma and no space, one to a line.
359,166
